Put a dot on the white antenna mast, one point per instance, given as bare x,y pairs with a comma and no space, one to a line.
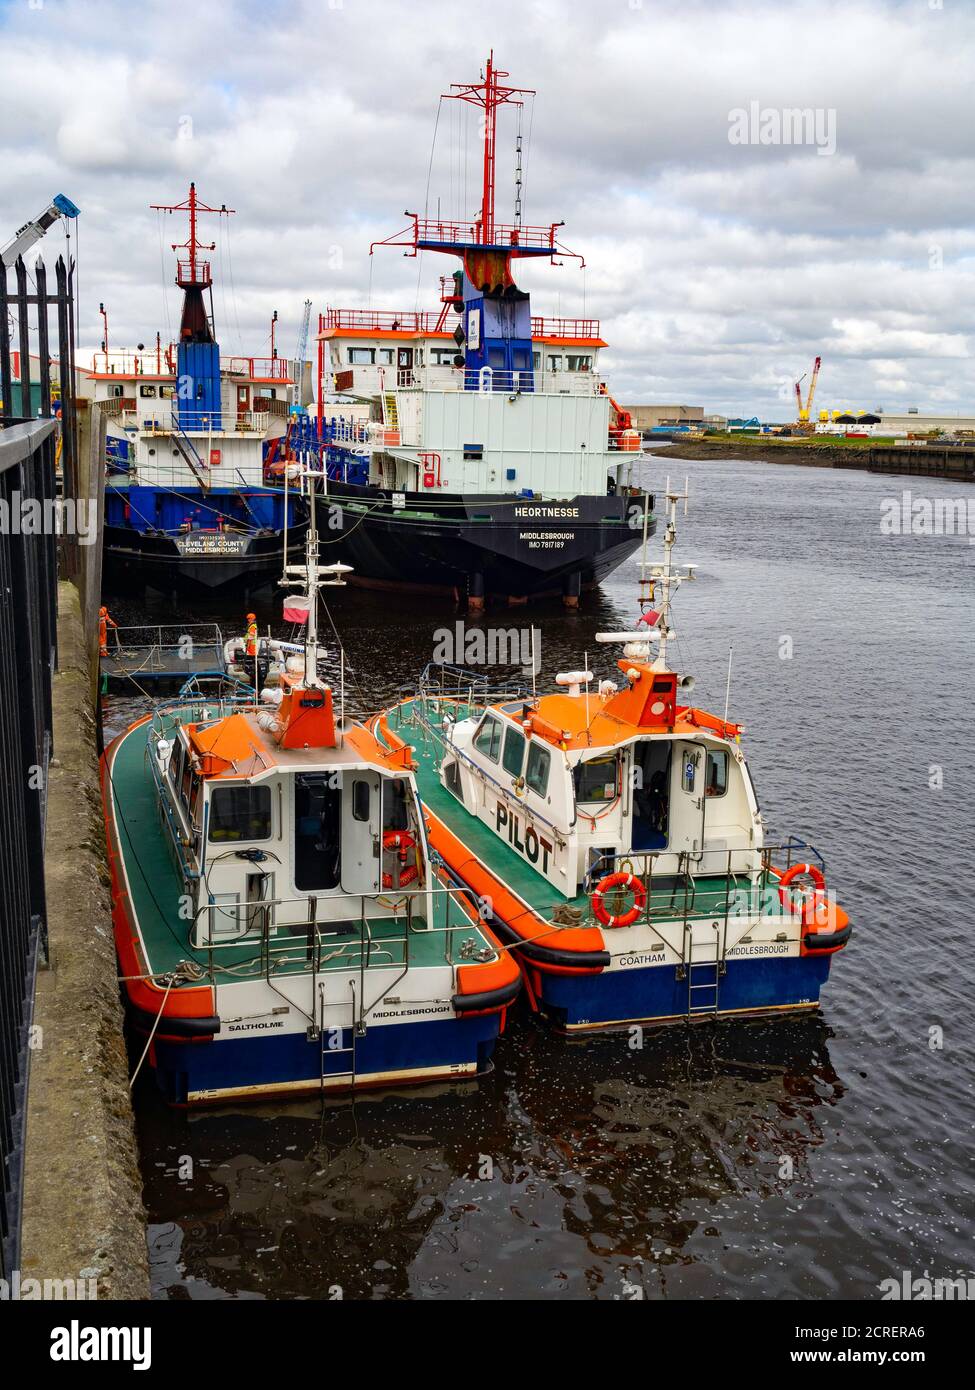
313,576
669,579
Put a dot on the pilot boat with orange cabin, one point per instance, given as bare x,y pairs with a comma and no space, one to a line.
613,839
281,923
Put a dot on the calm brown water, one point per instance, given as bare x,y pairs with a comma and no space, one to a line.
790,1159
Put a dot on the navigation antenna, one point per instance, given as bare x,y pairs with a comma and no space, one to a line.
312,576
655,622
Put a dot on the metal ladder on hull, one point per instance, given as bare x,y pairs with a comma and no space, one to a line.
326,1034
703,976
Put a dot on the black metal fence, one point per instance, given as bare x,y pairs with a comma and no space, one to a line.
31,438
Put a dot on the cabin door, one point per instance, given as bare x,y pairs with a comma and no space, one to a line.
651,795
361,819
687,800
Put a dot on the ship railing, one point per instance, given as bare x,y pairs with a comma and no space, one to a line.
436,230
487,379
447,683
425,321
309,944
747,885
258,368
152,643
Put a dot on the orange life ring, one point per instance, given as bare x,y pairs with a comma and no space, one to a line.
801,871
620,880
406,877
399,839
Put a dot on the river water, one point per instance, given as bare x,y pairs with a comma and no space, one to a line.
789,1159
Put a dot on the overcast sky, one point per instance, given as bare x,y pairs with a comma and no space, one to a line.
718,269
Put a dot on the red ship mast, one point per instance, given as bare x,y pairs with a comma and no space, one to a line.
192,273
488,95
483,235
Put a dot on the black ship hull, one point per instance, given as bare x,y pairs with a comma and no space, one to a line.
202,565
480,547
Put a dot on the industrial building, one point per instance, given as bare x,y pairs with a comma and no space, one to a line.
888,424
651,417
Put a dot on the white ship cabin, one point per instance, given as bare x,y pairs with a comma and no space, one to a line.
278,819
581,782
141,391
436,424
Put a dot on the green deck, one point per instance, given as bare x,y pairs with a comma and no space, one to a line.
707,898
156,887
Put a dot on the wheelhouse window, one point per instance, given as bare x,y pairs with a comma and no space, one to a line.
240,813
514,751
186,782
689,771
362,357
487,740
384,356
579,363
595,779
554,362
536,771
442,357
147,392
716,776
176,766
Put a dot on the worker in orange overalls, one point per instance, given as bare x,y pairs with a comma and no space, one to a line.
104,623
251,639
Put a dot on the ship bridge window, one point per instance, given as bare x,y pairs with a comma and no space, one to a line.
716,776
384,356
514,751
362,357
442,357
537,361
595,779
240,813
536,772
554,362
487,740
579,363
147,391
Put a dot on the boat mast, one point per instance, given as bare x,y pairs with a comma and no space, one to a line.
313,576
488,95
666,576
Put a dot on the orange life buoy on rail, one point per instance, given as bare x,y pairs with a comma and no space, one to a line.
399,839
407,876
625,919
800,871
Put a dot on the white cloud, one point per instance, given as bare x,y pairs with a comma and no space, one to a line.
719,271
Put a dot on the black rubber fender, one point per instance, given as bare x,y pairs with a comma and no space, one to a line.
488,999
821,943
143,1021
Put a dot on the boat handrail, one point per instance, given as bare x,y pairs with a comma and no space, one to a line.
320,935
135,636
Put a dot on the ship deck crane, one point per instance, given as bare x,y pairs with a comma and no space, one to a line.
32,231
